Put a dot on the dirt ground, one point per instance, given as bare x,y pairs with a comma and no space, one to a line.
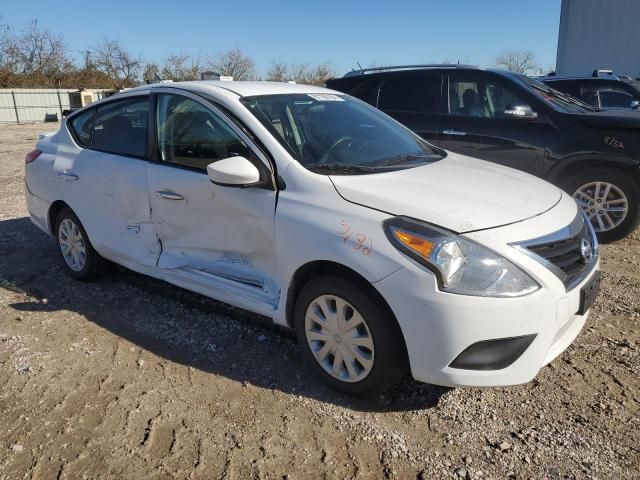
129,377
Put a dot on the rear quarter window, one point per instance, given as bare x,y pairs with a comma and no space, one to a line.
82,126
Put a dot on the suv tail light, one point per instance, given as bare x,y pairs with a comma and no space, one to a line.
32,155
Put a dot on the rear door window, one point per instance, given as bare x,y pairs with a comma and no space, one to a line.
82,127
410,94
120,127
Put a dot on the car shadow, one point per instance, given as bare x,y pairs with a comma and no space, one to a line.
179,325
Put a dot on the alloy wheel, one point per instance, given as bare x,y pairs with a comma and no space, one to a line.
72,245
605,204
339,338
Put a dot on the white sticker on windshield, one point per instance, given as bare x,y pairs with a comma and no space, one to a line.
325,97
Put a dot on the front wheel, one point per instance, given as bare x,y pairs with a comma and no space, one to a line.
610,200
348,336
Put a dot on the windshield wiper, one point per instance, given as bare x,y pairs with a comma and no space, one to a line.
566,98
410,158
340,168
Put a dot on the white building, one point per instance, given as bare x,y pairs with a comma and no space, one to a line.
599,34
21,105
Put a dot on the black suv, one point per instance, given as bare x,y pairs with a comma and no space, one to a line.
602,93
517,121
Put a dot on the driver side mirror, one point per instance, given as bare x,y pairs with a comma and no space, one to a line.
233,172
635,105
521,112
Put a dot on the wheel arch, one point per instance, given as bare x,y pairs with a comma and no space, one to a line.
326,267
55,208
570,166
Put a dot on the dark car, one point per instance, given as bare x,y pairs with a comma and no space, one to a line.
517,121
602,93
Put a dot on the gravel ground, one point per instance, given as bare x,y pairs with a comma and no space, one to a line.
129,377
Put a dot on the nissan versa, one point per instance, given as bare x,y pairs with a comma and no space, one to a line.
383,252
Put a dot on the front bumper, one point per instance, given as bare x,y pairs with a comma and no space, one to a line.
438,326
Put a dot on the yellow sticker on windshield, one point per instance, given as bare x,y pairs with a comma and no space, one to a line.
325,97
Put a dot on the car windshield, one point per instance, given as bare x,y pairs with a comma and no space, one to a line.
339,134
557,100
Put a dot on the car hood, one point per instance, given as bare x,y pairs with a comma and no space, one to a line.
612,119
459,193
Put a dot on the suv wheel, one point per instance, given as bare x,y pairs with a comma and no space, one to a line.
610,200
80,259
347,337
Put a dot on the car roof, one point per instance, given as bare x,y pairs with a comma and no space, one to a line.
610,78
392,70
240,88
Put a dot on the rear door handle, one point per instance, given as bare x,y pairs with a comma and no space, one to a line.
169,195
454,131
68,176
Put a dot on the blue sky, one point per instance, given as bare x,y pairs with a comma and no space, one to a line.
344,32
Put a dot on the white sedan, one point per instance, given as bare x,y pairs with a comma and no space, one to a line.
383,252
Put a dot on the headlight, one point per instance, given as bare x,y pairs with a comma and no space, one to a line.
461,266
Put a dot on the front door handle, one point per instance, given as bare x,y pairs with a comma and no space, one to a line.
169,195
68,176
454,131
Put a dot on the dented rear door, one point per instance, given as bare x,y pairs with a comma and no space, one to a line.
103,177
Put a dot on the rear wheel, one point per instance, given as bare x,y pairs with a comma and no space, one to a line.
80,259
610,200
348,337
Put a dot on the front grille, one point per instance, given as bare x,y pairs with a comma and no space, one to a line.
569,253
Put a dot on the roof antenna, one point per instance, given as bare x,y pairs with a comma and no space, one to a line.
158,77
359,66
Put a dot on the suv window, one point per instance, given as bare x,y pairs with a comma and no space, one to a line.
480,98
615,98
191,135
413,94
367,91
82,126
120,127
590,97
570,88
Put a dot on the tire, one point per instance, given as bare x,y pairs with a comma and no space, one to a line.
377,362
82,262
620,187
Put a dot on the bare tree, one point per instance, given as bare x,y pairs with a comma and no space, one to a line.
234,63
278,72
181,67
151,72
517,61
34,51
301,73
110,57
319,74
8,45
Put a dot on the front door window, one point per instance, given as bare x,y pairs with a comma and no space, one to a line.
191,135
476,97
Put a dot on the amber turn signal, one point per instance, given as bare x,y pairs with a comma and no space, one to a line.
418,244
